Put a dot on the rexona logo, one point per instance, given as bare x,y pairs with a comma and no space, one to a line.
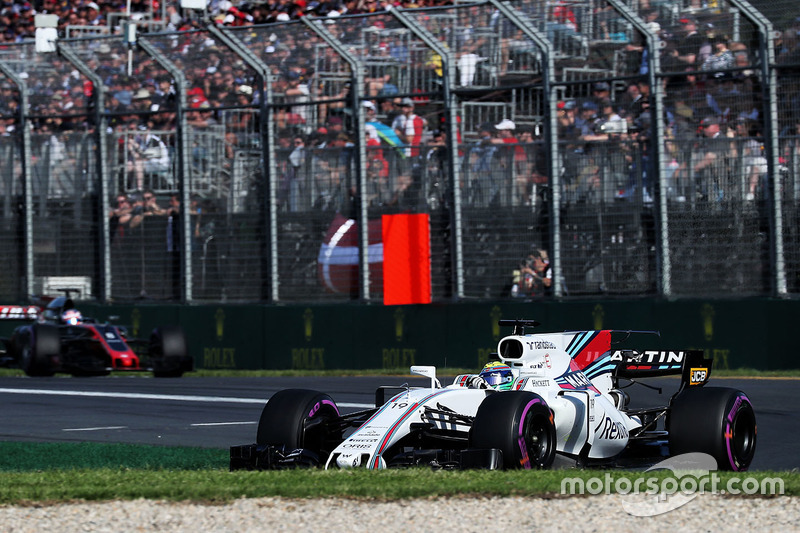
648,356
611,430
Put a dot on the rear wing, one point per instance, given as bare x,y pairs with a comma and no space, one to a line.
692,365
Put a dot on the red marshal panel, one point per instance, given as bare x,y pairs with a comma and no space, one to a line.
406,259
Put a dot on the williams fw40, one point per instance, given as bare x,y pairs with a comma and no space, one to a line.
563,398
57,338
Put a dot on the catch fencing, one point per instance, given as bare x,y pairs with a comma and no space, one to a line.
641,151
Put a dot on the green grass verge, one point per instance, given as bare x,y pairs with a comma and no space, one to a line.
47,472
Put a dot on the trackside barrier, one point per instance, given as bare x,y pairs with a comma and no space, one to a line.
753,333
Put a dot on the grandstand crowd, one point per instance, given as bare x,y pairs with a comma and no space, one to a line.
17,17
710,77
712,90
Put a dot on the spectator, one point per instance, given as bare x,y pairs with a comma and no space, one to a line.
709,166
150,206
93,16
436,165
468,65
147,154
379,190
409,127
505,132
721,57
535,153
137,210
753,163
601,91
567,128
587,120
296,174
164,97
509,158
120,217
483,188
534,279
641,103
174,242
690,42
298,93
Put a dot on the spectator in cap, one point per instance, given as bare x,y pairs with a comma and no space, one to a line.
567,114
710,163
586,120
409,127
505,129
298,92
600,91
690,42
509,156
93,15
482,185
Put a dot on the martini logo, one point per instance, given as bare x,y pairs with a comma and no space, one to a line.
578,380
648,357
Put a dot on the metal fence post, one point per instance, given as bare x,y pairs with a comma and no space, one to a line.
27,187
182,153
268,174
766,41
101,157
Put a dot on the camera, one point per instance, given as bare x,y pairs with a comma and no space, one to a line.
614,127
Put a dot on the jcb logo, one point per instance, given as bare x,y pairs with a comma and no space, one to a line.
697,376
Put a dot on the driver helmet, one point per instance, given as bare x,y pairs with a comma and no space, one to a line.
498,376
72,317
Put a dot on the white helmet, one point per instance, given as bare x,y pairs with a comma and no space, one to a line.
72,317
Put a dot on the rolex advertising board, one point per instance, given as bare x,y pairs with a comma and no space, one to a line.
743,333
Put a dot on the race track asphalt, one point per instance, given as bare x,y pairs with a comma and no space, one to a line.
220,412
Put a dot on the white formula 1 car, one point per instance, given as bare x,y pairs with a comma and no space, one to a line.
563,396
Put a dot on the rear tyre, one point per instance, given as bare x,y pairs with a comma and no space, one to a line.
295,418
168,352
520,425
714,420
37,349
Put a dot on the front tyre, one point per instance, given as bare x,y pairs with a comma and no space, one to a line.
518,423
296,418
714,420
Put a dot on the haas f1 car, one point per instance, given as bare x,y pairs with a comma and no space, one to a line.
550,394
59,339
